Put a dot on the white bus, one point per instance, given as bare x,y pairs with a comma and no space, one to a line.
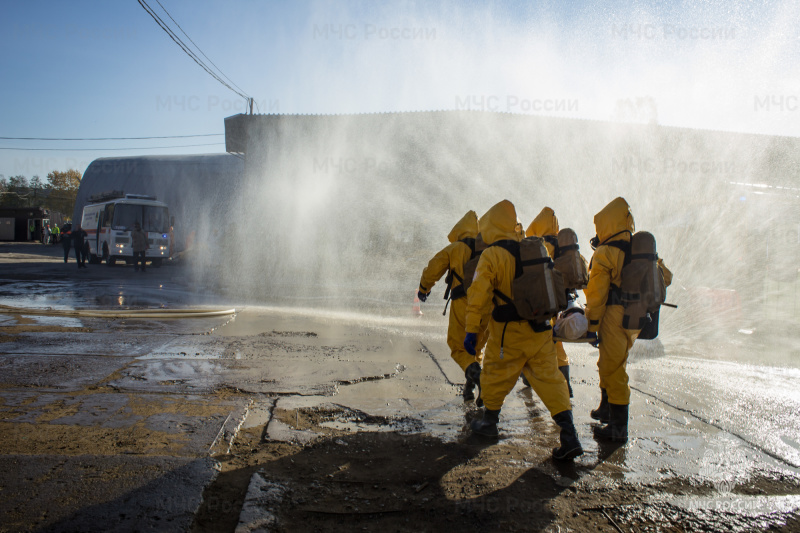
108,220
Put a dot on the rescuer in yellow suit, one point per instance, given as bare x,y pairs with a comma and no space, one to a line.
453,258
545,226
514,346
604,311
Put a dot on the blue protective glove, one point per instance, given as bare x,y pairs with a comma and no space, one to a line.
470,342
422,296
593,335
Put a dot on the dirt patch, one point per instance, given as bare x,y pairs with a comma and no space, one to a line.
340,420
288,334
59,439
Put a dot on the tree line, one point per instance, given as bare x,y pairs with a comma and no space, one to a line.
58,193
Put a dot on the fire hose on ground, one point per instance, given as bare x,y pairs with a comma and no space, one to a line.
122,313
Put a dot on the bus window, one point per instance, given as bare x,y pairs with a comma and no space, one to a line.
126,215
108,216
156,219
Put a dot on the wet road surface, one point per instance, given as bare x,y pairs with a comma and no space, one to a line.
137,417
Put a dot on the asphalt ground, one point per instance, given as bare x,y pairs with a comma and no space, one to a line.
296,419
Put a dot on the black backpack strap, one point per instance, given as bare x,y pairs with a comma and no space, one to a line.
511,247
552,239
448,295
567,248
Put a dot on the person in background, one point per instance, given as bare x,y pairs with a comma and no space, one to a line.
139,245
55,234
78,240
46,234
545,226
66,244
452,258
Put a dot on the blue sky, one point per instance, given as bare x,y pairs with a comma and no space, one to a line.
105,69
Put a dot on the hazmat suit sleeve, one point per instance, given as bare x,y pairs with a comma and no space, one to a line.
596,292
479,294
667,273
435,269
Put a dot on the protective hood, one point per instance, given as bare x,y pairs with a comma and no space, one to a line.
613,218
467,227
545,223
499,223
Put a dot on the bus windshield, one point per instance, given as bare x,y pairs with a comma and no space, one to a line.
152,217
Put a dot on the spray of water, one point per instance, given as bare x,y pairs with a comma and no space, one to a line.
557,106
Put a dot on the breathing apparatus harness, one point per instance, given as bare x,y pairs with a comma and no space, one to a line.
507,311
458,292
614,292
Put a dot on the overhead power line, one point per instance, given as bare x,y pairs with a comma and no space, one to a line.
164,26
198,48
108,138
105,149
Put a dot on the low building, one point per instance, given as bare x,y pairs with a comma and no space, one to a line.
16,223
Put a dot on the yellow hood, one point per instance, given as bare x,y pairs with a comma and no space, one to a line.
464,228
499,223
613,218
545,223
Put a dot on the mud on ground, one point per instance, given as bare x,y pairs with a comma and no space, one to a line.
413,482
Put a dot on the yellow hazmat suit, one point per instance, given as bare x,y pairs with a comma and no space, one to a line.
453,257
613,223
546,225
523,350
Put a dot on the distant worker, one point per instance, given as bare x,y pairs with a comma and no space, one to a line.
604,310
55,234
78,240
453,258
46,234
139,245
515,344
66,244
545,226
31,231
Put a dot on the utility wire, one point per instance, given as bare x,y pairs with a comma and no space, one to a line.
198,48
186,48
104,149
108,138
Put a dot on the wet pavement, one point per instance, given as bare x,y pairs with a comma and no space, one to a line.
124,423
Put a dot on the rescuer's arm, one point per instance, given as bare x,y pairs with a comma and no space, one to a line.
435,270
596,291
479,294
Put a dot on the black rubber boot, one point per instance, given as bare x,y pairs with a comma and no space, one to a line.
570,445
525,380
473,375
617,428
565,370
486,426
601,413
468,393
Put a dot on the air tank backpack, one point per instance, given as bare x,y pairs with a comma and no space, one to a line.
471,266
643,290
569,261
476,246
538,289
